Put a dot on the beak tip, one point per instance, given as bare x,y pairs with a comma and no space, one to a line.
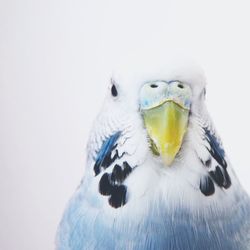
168,160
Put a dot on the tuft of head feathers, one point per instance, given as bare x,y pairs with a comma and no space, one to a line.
131,72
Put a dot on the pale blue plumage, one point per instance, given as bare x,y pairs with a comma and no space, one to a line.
128,199
85,226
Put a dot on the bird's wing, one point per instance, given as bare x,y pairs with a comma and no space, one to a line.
113,167
214,161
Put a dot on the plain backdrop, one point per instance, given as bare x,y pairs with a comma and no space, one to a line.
54,58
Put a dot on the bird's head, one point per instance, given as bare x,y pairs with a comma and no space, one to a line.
165,101
154,123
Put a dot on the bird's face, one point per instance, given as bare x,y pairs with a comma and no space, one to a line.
165,108
148,124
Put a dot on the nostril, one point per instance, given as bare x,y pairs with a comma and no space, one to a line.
180,86
153,86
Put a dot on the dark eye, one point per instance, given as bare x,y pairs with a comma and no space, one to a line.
114,90
153,85
204,92
180,86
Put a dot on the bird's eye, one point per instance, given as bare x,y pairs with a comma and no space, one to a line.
153,85
180,86
114,91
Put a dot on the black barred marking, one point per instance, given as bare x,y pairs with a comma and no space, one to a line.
207,186
217,176
221,177
127,168
118,196
117,193
228,179
105,187
119,174
208,162
112,184
216,150
106,162
103,158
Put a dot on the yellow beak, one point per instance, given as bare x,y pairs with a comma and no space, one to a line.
166,125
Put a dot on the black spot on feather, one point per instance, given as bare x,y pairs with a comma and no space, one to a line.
114,91
207,186
208,162
217,176
119,174
221,177
112,184
126,168
118,196
105,186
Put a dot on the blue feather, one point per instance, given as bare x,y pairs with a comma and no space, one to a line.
85,227
103,158
216,150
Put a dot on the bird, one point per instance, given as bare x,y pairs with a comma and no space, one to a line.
157,175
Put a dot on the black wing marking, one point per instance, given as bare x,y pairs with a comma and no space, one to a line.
112,184
216,151
104,159
219,175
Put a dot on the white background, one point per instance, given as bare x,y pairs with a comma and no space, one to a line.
54,57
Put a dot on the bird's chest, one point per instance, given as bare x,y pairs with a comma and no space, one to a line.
152,227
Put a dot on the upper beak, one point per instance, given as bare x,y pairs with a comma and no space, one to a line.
166,125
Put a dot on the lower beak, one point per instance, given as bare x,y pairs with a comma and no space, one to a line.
166,125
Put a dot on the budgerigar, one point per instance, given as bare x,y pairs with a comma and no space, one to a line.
156,176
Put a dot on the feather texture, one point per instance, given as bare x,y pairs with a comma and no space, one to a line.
129,199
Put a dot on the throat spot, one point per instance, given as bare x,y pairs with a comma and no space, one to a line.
112,184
